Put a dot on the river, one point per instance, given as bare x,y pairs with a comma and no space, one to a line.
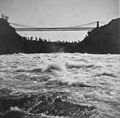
60,85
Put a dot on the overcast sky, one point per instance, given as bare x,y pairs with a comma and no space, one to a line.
59,12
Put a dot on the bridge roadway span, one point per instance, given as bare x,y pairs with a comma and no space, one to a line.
57,29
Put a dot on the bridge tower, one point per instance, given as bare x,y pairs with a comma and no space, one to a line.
98,24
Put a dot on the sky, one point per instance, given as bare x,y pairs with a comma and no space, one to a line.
53,13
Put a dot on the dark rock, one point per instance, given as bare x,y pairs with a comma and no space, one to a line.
51,104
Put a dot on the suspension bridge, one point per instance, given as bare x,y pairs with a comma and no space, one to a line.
83,27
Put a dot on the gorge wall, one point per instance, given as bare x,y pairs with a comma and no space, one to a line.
103,40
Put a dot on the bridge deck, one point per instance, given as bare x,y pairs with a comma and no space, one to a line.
56,29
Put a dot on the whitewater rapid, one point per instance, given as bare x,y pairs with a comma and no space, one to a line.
87,85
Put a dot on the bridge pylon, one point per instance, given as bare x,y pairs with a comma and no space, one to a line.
98,24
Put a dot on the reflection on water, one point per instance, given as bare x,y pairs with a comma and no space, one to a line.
59,85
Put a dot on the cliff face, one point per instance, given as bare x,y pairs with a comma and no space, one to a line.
9,39
105,39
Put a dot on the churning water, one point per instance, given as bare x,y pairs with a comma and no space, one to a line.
59,85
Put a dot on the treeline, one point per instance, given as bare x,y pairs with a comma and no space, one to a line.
40,45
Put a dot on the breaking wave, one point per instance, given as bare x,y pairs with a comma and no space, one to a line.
52,67
107,74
